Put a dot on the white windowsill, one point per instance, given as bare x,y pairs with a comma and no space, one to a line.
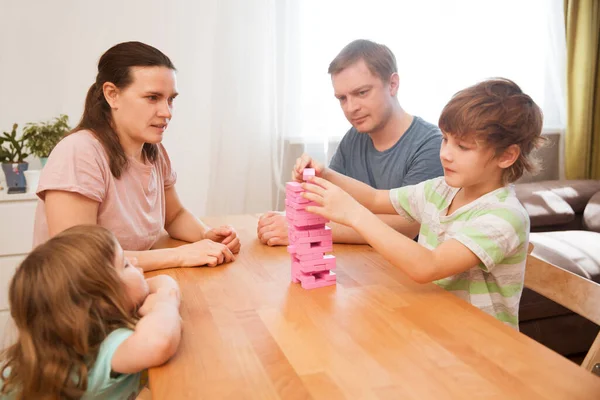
5,197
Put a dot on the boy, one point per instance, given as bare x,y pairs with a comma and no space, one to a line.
473,233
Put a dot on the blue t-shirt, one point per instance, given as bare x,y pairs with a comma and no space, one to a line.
413,159
100,383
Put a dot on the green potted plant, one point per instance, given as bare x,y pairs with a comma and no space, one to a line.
12,156
40,138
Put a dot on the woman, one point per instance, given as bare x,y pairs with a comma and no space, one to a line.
113,171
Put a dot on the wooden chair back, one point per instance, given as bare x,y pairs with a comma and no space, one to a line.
570,290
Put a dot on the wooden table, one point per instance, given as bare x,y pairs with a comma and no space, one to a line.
248,333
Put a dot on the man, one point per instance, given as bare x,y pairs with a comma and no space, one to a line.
385,148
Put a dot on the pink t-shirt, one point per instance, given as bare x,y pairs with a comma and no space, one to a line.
131,207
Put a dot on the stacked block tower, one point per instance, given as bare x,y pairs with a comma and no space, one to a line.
309,239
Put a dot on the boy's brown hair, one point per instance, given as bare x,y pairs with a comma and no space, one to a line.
497,113
379,58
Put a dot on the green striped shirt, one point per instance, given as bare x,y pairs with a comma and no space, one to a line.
494,227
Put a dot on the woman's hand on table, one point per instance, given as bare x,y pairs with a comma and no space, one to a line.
226,235
204,252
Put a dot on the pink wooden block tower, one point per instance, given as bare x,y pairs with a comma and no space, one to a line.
309,239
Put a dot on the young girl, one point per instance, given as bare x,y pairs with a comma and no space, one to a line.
473,233
88,322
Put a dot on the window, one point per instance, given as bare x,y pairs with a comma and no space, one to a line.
440,46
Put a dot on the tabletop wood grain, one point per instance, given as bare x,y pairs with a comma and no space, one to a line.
248,333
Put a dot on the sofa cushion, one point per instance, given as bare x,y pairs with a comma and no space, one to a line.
576,193
575,251
591,214
543,206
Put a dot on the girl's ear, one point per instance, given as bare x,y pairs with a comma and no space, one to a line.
509,156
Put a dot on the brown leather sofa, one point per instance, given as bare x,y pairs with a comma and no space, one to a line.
565,231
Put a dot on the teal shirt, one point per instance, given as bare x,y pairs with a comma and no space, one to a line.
100,383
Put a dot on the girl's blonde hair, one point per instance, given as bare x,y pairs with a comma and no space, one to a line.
65,298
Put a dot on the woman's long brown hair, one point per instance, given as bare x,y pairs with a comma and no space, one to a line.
65,298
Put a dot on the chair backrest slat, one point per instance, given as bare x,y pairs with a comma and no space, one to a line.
570,290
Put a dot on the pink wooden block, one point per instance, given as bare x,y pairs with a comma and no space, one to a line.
297,233
296,220
307,248
317,284
328,261
320,232
302,221
295,197
313,268
326,243
299,206
315,239
295,238
294,187
311,250
313,245
305,215
316,219
298,214
302,246
306,278
293,218
306,228
294,205
307,173
316,268
325,275
307,257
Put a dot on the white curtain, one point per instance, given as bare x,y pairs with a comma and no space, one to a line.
254,102
270,73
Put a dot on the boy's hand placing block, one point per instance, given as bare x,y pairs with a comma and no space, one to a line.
307,173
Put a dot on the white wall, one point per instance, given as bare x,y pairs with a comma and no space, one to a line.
49,52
